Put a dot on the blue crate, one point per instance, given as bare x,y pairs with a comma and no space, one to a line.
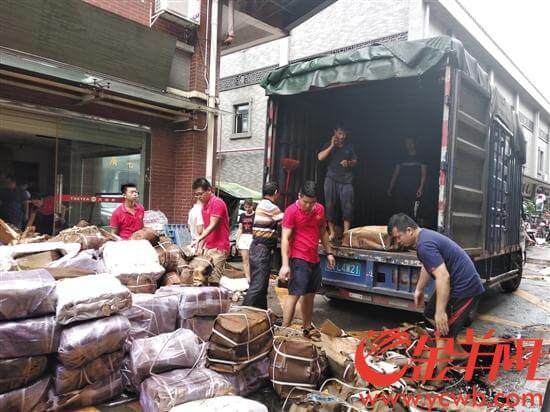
178,233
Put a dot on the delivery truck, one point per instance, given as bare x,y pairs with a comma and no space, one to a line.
467,134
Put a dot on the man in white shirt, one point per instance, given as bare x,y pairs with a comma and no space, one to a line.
195,222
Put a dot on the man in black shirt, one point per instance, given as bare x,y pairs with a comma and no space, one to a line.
409,177
339,196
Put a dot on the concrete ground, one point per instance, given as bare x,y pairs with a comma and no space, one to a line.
525,313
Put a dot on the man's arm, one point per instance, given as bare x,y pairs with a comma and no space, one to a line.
214,222
443,291
328,248
285,253
423,280
323,154
423,173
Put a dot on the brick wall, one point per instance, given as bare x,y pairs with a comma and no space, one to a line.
136,10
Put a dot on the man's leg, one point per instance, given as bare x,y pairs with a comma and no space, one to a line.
260,268
246,263
347,199
289,309
307,310
218,263
330,205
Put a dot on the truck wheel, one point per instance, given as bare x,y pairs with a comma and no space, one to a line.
511,285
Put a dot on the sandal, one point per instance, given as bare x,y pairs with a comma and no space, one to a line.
312,333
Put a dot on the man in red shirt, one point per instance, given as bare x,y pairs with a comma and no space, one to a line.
214,239
304,224
128,217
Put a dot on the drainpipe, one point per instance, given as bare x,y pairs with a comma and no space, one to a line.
230,23
426,30
212,77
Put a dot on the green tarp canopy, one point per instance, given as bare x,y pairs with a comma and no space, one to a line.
237,191
393,60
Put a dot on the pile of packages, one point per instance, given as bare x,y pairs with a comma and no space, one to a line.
370,238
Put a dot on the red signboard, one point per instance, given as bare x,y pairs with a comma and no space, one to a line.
91,199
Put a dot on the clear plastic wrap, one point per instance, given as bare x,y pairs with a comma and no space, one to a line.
90,297
222,404
175,350
93,394
160,393
89,237
83,342
200,301
16,373
29,337
129,259
32,398
240,337
67,380
25,294
251,378
151,315
201,325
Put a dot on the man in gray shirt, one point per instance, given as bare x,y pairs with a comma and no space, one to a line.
339,195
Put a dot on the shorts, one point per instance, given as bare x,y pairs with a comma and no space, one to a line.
305,277
458,312
245,240
339,199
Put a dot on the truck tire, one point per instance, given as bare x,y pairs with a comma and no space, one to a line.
511,285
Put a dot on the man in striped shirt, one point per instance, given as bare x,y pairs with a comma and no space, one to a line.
268,216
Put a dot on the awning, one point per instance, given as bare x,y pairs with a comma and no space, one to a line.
237,191
34,65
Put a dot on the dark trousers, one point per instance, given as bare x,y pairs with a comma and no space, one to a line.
260,268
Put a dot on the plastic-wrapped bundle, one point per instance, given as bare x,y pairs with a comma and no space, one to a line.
200,301
33,398
240,337
222,404
90,297
151,315
201,325
18,372
147,234
169,254
89,237
170,279
130,259
67,380
160,393
369,237
202,267
83,342
175,350
128,380
93,394
155,220
295,363
25,294
28,337
141,284
251,378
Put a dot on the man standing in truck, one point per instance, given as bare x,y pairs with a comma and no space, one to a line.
304,224
339,195
457,283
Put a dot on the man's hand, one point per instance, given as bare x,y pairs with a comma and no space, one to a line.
284,273
331,262
345,163
333,140
418,298
442,323
419,192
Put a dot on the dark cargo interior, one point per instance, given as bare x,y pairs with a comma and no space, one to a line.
379,116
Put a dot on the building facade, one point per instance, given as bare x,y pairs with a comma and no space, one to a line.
346,25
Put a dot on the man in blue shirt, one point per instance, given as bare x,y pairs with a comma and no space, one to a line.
457,283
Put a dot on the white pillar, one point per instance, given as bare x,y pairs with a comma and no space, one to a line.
212,81
284,51
426,30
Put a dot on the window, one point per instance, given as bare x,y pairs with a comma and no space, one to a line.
540,162
242,118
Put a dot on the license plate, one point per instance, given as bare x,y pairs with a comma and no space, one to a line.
359,296
347,268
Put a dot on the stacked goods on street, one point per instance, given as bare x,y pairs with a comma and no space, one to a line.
28,333
90,352
239,346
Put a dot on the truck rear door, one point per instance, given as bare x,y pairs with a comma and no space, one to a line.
467,168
